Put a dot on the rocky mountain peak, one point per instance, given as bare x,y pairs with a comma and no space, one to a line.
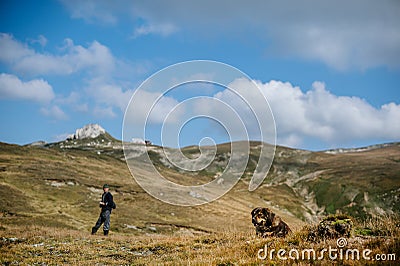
88,131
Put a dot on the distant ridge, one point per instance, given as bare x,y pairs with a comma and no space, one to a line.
361,149
39,143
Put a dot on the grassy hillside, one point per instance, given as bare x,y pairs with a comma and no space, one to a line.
308,185
61,184
361,184
50,196
62,187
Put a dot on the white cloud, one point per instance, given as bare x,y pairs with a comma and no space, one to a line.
74,101
11,87
109,94
95,63
93,11
104,112
40,40
12,50
343,34
144,102
96,56
318,114
161,29
54,112
82,107
24,60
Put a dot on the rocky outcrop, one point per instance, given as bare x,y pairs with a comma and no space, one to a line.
88,131
331,227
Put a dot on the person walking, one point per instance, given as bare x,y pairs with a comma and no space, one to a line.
106,205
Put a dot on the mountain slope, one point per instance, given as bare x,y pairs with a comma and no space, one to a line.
59,184
311,184
63,187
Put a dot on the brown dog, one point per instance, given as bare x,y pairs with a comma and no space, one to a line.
268,223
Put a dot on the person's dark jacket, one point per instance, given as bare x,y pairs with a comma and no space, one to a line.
107,198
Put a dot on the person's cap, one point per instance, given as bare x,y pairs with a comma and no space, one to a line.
106,186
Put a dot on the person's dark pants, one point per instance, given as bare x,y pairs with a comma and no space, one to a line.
103,218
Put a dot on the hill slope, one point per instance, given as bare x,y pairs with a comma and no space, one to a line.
62,188
60,185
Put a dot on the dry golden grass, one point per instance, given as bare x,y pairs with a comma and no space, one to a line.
35,245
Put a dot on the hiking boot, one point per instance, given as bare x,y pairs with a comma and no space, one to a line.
94,230
106,232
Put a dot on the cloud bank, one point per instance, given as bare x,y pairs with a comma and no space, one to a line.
38,90
300,114
26,61
358,34
98,85
321,115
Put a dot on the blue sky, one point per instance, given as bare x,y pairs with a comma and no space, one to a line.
329,69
